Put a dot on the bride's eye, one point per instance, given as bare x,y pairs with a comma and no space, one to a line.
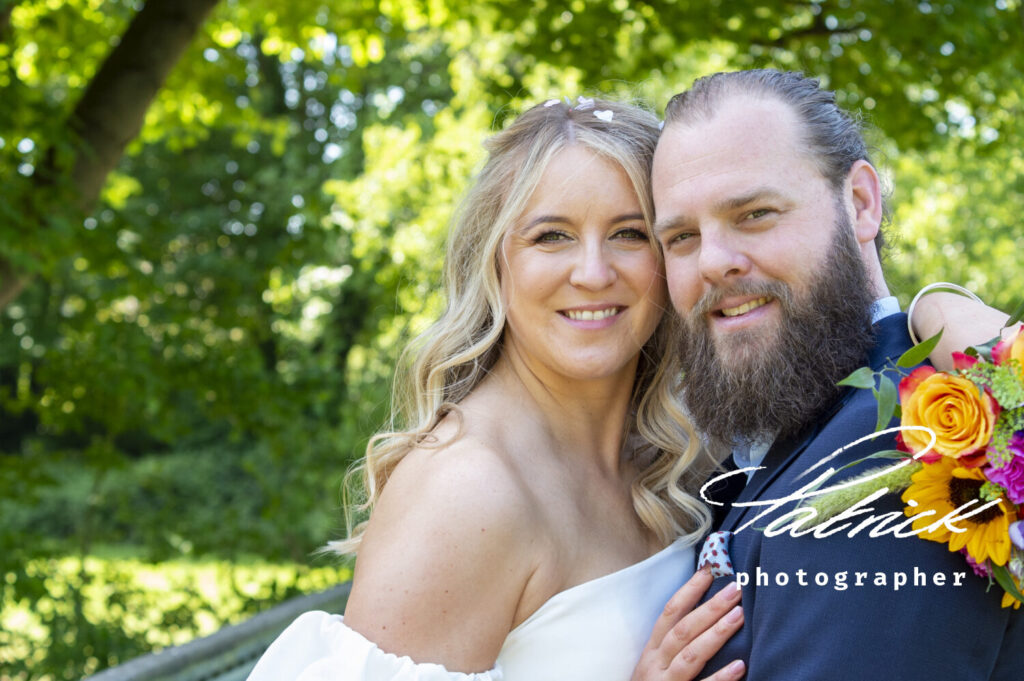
550,237
758,213
632,233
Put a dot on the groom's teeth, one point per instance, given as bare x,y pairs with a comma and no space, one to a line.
591,315
744,308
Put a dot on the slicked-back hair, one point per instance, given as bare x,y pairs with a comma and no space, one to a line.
833,137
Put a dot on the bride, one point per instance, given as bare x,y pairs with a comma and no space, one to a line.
529,514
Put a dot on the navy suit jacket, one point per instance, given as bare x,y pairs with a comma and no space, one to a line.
873,631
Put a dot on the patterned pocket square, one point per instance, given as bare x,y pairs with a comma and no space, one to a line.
715,554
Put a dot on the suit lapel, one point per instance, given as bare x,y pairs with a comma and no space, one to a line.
890,344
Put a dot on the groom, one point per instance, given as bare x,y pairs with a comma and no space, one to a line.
769,213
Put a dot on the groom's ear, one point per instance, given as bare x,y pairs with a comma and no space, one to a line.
864,190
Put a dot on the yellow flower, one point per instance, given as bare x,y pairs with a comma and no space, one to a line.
1011,348
951,407
944,486
1009,600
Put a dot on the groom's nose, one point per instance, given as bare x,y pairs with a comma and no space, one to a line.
721,259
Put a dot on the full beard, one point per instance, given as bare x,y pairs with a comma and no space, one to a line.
774,387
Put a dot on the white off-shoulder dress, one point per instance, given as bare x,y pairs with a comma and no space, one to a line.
594,631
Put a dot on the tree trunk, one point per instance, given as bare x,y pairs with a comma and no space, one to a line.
5,22
111,111
113,108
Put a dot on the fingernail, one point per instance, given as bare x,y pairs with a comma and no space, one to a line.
734,615
735,667
728,592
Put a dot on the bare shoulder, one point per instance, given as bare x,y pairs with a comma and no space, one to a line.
445,558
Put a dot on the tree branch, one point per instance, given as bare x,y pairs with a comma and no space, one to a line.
111,112
816,29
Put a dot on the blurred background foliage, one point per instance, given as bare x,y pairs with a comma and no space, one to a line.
219,220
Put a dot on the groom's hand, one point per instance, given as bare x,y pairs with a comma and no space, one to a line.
685,638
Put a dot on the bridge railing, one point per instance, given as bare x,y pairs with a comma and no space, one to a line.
229,654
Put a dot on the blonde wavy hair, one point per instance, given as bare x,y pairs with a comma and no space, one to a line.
444,364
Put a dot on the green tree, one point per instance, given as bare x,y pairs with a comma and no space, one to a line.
218,221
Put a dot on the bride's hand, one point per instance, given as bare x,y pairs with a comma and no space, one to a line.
963,322
685,637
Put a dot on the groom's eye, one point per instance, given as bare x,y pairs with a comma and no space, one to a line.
759,213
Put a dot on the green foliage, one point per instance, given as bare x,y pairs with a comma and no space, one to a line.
919,352
197,357
65,618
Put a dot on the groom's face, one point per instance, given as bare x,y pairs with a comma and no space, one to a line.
763,267
744,217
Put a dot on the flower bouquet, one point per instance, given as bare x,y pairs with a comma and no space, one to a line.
963,481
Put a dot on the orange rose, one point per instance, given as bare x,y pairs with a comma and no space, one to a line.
1011,348
950,406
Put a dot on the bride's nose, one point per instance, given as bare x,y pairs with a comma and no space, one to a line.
593,268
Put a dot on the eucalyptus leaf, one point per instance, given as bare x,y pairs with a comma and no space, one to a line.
919,352
887,399
863,378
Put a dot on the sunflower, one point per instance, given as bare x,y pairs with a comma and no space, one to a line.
1009,600
944,486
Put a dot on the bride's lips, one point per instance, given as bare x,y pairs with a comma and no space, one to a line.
594,316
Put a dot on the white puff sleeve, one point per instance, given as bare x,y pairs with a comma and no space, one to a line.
319,647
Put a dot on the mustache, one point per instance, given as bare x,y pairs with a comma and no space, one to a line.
713,298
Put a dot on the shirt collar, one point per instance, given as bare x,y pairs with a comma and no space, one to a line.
884,307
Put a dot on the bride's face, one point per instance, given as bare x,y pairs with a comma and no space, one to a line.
582,282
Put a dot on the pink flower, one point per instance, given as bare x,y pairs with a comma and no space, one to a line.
980,569
1011,474
962,361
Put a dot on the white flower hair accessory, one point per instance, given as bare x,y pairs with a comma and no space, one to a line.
584,103
551,102
605,115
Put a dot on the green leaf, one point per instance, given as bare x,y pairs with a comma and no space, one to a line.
919,352
1002,576
861,378
1018,314
887,398
983,350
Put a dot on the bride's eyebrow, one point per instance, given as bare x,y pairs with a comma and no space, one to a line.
547,219
562,220
628,217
